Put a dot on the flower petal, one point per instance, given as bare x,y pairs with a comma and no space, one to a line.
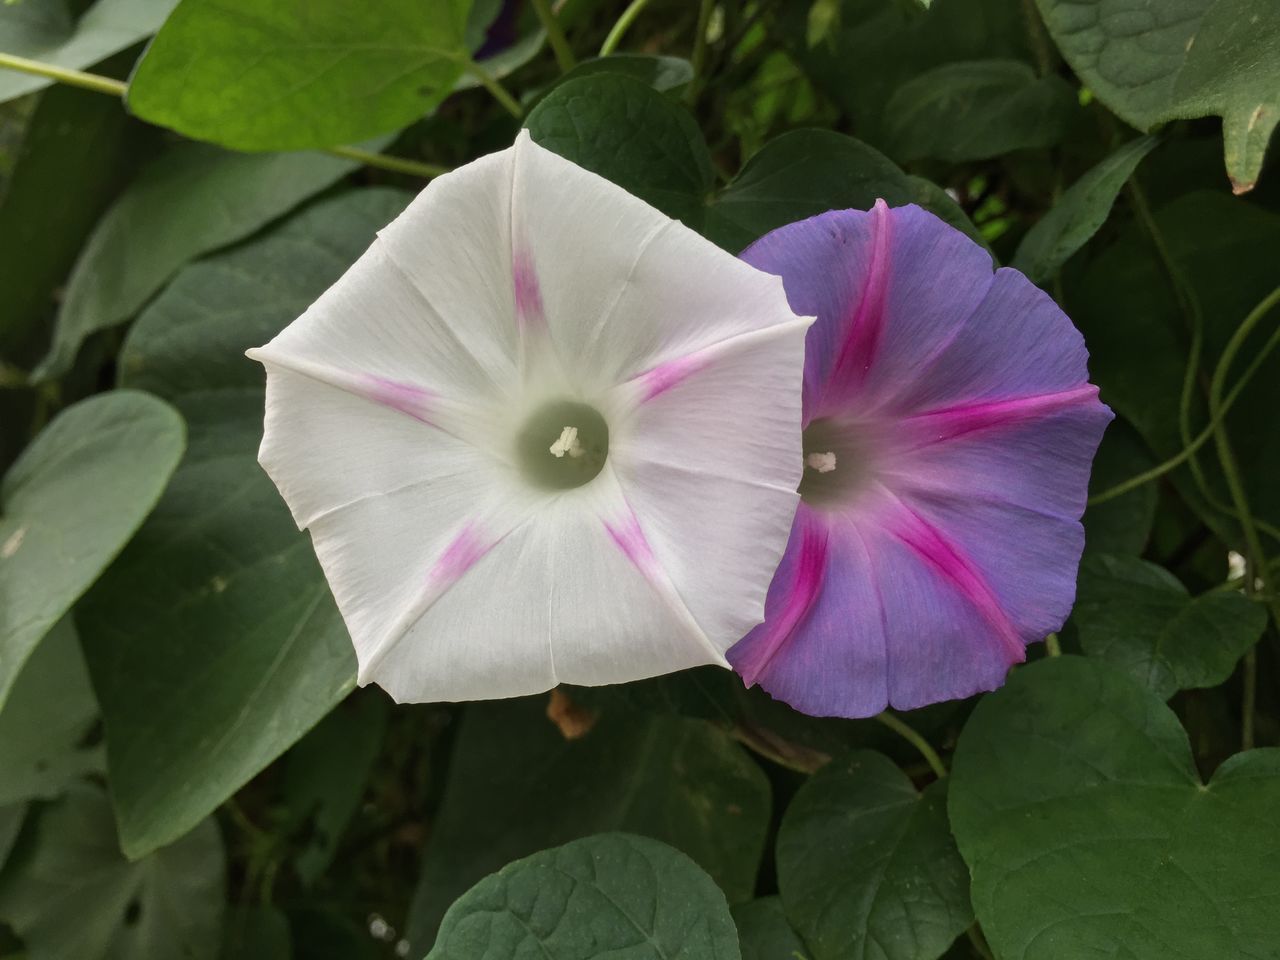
882,315
615,310
710,463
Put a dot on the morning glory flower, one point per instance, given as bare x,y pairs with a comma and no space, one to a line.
539,433
949,428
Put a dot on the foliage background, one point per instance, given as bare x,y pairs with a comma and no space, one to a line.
185,767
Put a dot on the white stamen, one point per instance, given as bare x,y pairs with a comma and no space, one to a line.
822,462
567,443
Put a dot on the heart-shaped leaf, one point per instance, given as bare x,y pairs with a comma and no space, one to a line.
70,503
1089,833
765,934
214,643
867,866
613,894
1180,58
1140,618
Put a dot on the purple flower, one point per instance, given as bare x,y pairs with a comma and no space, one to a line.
949,427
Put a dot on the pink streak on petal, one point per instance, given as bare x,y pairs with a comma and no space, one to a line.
936,426
529,312
866,328
664,376
807,572
935,548
459,557
630,539
405,397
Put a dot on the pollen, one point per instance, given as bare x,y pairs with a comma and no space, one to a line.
822,462
567,443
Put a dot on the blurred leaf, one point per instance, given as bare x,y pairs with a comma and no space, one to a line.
976,109
1079,214
807,172
43,725
867,866
324,777
1122,525
658,72
1140,618
1089,833
192,200
45,30
622,129
76,150
610,894
323,934
765,934
256,933
76,897
256,76
1126,308
70,503
213,642
1181,58
516,785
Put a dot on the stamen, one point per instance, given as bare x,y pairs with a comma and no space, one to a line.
822,462
567,443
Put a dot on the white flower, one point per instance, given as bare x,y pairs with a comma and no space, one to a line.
539,432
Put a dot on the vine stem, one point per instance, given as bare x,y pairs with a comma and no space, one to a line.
698,60
117,88
1216,416
495,87
908,733
621,27
1051,645
555,35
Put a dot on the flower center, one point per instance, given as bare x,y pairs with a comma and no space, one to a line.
834,464
563,445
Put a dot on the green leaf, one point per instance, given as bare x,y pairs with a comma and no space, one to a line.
194,199
611,894
1079,214
867,867
516,785
1126,308
11,818
807,172
76,897
213,641
1141,619
1121,525
76,151
324,776
765,934
977,109
658,72
1077,805
50,712
45,30
279,76
1183,58
624,130
70,503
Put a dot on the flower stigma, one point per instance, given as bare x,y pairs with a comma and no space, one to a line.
563,445
835,463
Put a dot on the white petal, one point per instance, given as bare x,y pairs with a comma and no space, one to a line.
571,594
710,464
623,288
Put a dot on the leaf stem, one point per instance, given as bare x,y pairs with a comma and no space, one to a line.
555,35
72,78
1051,645
386,162
116,88
620,28
902,729
978,941
495,87
698,60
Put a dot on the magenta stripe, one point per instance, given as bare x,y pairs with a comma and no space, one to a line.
807,572
865,329
948,423
458,557
528,293
405,397
948,559
665,376
630,539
